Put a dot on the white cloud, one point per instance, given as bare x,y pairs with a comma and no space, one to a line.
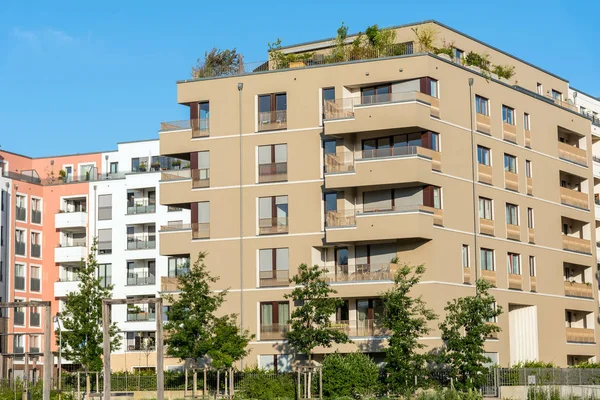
43,38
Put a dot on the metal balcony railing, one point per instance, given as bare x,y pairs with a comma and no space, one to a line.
18,350
362,272
344,107
366,327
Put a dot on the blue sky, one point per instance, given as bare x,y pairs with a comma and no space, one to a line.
80,76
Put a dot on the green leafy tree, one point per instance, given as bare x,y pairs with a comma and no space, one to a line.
407,318
217,62
352,375
81,318
193,330
464,331
310,323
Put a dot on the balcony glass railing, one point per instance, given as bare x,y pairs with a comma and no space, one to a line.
200,178
272,172
273,225
280,277
140,315
140,208
272,120
80,242
362,272
273,331
200,230
199,126
344,108
141,243
19,318
361,328
137,280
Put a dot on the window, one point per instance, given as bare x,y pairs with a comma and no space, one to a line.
275,362
513,262
105,207
36,211
20,242
556,95
178,266
510,163
328,95
201,225
437,197
114,167
21,208
36,245
273,214
272,111
35,278
528,171
530,218
137,341
19,341
465,256
105,241
485,208
487,259
458,55
34,317
512,214
493,319
105,274
508,115
531,265
19,277
273,267
272,163
376,94
540,89
433,88
274,317
526,122
483,155
481,105
390,145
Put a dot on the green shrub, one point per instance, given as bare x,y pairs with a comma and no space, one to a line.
260,384
533,364
586,365
350,375
504,71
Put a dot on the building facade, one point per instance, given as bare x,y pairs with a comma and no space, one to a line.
361,166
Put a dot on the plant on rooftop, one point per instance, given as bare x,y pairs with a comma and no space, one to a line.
504,71
280,60
426,35
381,40
217,62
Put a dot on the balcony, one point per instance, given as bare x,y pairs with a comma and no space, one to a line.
169,284
509,132
572,154
34,319
65,220
362,273
273,172
19,318
19,283
20,248
35,285
363,328
515,281
21,214
486,226
483,123
380,167
489,276
36,251
273,331
141,243
272,226
64,287
71,252
574,198
576,244
513,232
411,221
577,289
140,208
580,335
134,315
484,173
198,126
527,138
200,230
511,181
272,120
200,178
136,280
274,278
391,111
36,217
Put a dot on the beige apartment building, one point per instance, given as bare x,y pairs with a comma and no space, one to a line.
363,165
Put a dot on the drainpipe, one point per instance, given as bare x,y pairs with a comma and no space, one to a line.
471,81
240,87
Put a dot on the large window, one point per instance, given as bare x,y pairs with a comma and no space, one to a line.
137,341
105,207
530,218
273,214
274,267
512,214
508,115
556,95
274,317
510,163
105,274
376,94
178,266
528,169
513,262
21,208
272,111
36,245
465,256
483,155
531,265
272,163
526,122
485,208
487,259
20,242
35,278
481,105
19,277
36,211
105,241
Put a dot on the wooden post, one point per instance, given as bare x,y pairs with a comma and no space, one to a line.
299,386
195,383
48,359
160,373
88,385
78,386
106,337
185,390
231,383
204,394
320,384
218,384
26,380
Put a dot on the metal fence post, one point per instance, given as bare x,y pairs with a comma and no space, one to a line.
78,386
298,386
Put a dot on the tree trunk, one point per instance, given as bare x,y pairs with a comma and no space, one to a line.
309,385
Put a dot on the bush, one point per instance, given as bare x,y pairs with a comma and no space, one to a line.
448,395
260,384
350,375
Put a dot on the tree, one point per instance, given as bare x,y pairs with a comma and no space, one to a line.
310,323
218,62
351,375
81,318
193,330
407,318
464,331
